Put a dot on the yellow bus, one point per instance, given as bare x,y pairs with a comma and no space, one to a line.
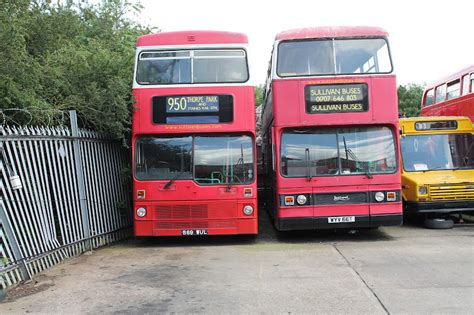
438,168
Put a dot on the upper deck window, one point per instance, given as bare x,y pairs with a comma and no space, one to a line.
453,89
465,84
192,66
472,82
440,93
429,98
333,56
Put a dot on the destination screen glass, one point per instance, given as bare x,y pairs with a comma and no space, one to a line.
336,98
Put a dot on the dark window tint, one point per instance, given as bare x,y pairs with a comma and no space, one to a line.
223,160
465,84
220,70
164,67
163,158
440,93
437,152
333,56
453,89
365,150
305,150
429,98
305,58
192,66
333,151
208,160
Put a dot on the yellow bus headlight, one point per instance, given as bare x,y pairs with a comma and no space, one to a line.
422,190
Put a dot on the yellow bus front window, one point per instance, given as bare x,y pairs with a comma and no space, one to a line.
437,152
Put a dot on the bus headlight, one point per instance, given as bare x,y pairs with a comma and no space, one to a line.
422,190
141,212
379,196
248,210
301,199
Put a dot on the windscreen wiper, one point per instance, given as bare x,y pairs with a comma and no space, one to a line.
466,158
227,179
308,165
367,172
240,161
352,155
178,174
171,181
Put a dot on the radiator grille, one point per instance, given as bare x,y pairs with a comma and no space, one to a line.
195,224
199,211
452,192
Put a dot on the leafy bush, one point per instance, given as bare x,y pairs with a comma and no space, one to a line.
409,99
70,55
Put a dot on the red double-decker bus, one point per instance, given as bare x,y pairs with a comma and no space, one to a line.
450,96
330,125
193,135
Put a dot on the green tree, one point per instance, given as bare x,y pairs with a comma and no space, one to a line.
70,55
258,95
409,99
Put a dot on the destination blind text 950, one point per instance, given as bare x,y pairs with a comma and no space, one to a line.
192,104
336,98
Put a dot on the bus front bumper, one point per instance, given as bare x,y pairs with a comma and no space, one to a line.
315,223
446,206
194,228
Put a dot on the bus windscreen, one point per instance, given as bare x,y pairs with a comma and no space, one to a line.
333,57
206,159
437,152
337,151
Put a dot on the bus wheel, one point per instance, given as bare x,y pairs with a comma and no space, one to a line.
438,223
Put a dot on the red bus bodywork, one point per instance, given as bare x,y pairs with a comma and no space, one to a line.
445,105
284,108
187,205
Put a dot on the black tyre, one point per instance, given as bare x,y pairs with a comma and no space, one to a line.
438,223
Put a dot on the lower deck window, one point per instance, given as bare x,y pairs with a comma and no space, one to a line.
207,159
337,151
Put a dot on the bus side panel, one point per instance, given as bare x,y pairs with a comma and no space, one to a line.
461,106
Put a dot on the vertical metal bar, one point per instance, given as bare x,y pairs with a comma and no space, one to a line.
52,156
13,243
115,178
80,177
89,193
99,206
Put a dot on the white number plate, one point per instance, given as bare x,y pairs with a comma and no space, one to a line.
341,219
194,232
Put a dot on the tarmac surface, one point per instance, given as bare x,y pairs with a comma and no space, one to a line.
394,270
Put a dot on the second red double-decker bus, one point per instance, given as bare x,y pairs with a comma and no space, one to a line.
330,130
450,96
193,135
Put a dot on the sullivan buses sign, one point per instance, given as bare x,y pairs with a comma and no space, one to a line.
336,98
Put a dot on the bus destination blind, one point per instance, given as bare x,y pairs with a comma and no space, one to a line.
192,109
192,104
336,98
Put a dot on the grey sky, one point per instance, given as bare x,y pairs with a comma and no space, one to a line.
429,39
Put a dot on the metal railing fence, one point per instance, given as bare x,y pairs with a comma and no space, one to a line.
75,196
